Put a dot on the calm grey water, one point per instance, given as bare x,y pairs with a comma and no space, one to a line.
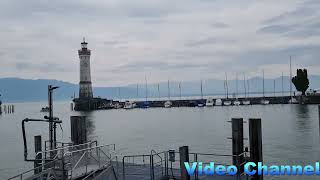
290,132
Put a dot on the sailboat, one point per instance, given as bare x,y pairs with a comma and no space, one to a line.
236,102
227,102
168,103
218,102
245,101
209,102
292,99
200,104
146,102
264,101
129,105
180,90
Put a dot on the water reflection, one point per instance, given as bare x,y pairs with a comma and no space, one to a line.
302,111
303,121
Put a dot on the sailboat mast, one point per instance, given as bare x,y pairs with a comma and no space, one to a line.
146,87
201,90
290,79
180,89
248,87
282,83
236,85
274,88
244,85
119,93
263,82
227,86
137,91
158,90
168,90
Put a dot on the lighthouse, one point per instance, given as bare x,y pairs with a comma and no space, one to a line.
85,85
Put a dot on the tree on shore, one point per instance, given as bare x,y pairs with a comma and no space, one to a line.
301,81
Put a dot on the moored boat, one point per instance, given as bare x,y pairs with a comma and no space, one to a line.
45,109
218,102
246,102
128,105
293,101
236,102
227,103
265,102
168,104
209,102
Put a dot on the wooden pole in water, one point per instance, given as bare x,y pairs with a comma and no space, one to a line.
319,118
78,129
184,157
237,143
37,148
71,106
255,140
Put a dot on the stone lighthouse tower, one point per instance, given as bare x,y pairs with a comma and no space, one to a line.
85,85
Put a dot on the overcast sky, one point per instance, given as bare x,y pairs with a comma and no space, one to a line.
176,39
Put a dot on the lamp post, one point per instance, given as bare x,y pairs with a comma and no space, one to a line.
52,125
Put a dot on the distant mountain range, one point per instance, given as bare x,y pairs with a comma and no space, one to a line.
27,90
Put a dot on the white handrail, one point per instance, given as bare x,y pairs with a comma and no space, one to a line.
73,146
95,147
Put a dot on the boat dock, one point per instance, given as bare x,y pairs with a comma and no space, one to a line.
194,102
89,160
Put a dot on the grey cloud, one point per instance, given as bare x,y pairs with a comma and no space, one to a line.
156,36
45,67
219,25
210,40
301,29
277,29
301,22
143,66
305,9
304,55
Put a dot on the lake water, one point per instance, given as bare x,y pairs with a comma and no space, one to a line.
290,132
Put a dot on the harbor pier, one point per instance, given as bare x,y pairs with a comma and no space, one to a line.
195,102
90,160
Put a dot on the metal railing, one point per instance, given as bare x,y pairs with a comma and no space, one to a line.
58,144
59,152
44,172
84,161
71,161
140,166
157,165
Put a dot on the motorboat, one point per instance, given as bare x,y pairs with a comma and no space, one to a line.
293,101
45,109
117,106
168,104
246,102
128,105
218,102
265,102
236,102
227,103
209,102
200,105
